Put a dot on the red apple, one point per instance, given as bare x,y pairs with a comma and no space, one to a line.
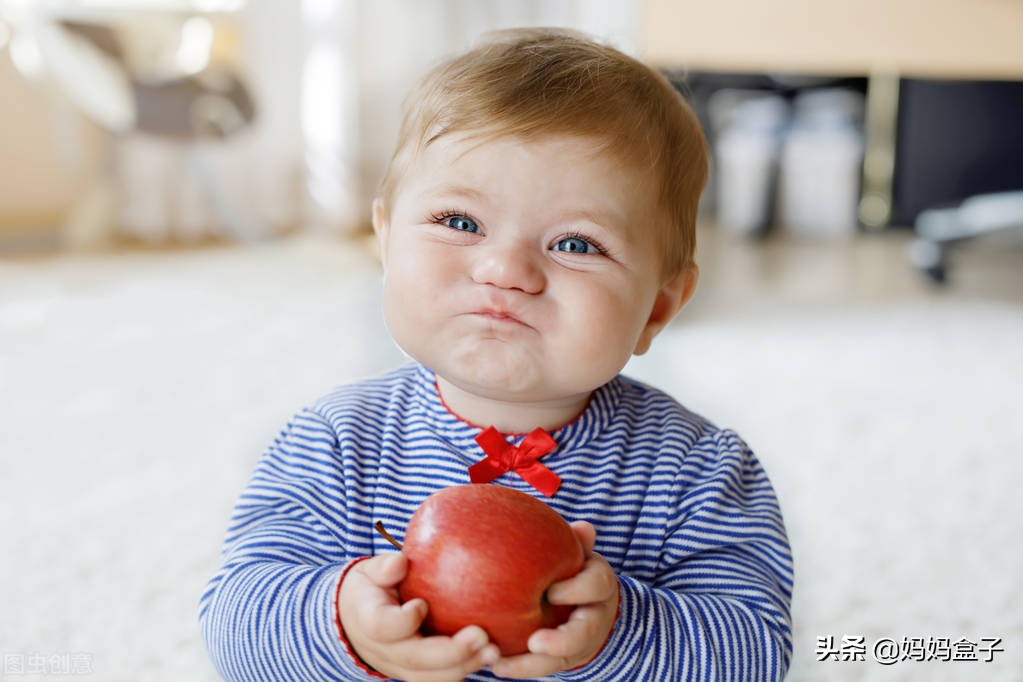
481,554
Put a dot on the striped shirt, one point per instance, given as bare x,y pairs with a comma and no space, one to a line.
684,514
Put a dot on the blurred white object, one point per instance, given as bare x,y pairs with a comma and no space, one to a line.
143,72
938,229
92,80
746,153
821,163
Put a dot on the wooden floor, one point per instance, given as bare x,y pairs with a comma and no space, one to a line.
739,274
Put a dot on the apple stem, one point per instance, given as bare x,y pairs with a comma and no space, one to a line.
379,526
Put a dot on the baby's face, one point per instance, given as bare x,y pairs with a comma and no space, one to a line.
520,270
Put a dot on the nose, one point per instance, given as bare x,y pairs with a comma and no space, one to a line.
510,265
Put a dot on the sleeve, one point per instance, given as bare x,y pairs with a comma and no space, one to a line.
717,607
269,613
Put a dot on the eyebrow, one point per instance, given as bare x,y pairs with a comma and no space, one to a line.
458,191
606,219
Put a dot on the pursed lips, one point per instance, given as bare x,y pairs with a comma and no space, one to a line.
500,316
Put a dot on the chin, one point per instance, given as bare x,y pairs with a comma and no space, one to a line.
493,370
497,380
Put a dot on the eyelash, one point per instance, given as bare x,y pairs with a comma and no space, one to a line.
440,217
590,240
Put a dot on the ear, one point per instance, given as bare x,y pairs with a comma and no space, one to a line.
671,297
382,228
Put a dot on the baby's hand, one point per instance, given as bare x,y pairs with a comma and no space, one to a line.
384,633
594,591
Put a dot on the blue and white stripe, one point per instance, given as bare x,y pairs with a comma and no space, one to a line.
684,513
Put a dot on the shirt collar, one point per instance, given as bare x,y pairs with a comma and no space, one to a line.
461,434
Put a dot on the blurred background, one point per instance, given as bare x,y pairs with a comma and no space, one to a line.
185,260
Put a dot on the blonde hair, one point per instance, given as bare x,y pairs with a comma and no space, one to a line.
534,82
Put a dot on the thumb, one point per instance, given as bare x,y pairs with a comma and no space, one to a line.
386,570
586,534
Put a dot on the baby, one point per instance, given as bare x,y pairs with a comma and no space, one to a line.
536,227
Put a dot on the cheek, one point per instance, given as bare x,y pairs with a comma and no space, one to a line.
402,267
396,289
418,259
606,322
414,282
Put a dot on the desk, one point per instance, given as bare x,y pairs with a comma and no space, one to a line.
884,40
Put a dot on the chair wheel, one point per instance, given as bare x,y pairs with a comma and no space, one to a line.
929,258
937,274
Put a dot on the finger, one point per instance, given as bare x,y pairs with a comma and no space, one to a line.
596,583
366,594
360,594
387,623
378,579
552,651
577,639
369,581
386,570
528,666
587,535
445,657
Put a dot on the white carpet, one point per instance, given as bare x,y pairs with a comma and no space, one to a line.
136,392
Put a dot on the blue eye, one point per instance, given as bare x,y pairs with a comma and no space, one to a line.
461,223
575,245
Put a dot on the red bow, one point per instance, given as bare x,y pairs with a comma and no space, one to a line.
502,456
